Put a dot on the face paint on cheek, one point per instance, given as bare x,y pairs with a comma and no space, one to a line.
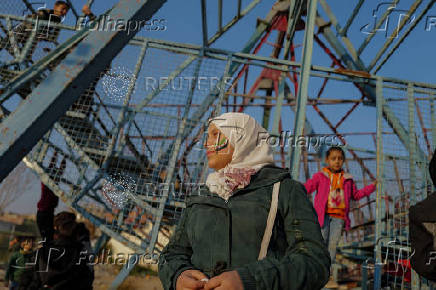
222,144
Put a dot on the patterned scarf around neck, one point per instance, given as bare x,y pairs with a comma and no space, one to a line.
227,180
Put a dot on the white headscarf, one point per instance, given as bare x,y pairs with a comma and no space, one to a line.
251,153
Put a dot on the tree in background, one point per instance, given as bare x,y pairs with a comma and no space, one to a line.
15,185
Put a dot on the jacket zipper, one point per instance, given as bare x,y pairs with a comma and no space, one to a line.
229,221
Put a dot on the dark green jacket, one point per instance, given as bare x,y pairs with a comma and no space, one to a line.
19,262
214,236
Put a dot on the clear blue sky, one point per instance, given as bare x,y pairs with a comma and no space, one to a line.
413,61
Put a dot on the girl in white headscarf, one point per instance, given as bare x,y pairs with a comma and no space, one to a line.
248,155
253,228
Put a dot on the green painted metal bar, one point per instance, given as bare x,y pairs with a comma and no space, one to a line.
90,2
395,33
387,155
380,176
21,130
232,22
204,22
330,15
405,34
303,87
73,9
29,6
345,39
415,280
293,14
220,15
101,242
29,43
125,271
433,121
412,143
378,24
278,106
11,37
350,20
222,86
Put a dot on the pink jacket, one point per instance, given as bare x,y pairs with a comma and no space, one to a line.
321,183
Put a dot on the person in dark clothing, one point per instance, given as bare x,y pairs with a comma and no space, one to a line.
49,201
43,32
22,32
422,227
60,262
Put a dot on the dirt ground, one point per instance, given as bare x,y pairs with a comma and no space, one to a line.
105,274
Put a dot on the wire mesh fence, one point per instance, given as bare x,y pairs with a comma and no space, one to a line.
128,165
406,147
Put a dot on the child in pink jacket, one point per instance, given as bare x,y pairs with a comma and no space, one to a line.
335,188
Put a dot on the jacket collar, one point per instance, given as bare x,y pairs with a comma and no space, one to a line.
266,176
346,175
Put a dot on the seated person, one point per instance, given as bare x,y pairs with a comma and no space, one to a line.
23,31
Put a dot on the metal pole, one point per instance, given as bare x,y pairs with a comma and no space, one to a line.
433,121
412,164
293,15
204,22
412,143
356,9
125,271
379,200
303,87
278,106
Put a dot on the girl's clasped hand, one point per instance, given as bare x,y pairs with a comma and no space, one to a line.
194,279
